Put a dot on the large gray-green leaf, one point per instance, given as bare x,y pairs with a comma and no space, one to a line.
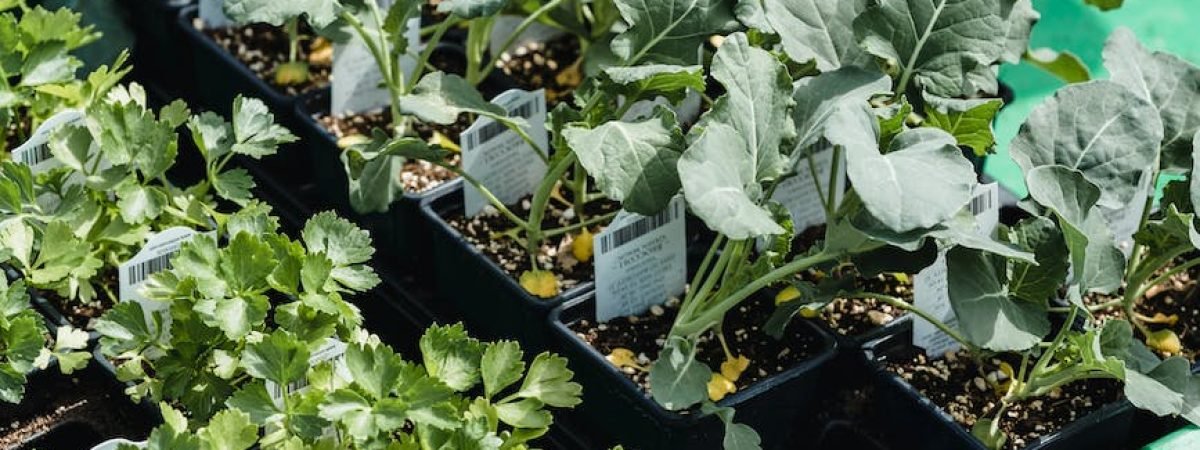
922,181
1165,80
969,121
1099,128
669,31
320,13
817,30
371,174
753,14
440,97
817,98
946,46
1098,263
470,9
1038,282
633,163
1161,390
719,184
677,379
986,314
652,80
1020,17
963,230
756,103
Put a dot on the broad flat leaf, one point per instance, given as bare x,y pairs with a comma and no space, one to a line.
1175,230
633,163
1097,262
501,366
255,133
720,186
817,30
756,102
669,31
48,63
246,262
371,174
1161,390
235,316
969,121
451,356
229,430
320,13
123,328
140,203
946,46
652,80
818,98
374,368
922,180
962,230
1099,128
1168,82
440,97
1064,65
1020,17
549,381
130,134
986,314
737,436
279,357
677,380
254,400
234,185
1040,282
470,9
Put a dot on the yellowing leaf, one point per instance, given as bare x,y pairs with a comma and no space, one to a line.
320,52
540,283
902,277
291,74
1161,318
352,140
786,295
445,142
732,369
1165,341
1003,385
719,387
581,247
623,357
809,313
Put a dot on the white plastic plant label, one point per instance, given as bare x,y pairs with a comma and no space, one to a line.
640,261
497,156
357,83
154,257
212,13
930,284
35,152
332,350
114,444
799,194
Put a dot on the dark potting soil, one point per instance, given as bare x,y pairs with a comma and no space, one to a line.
17,132
956,385
646,334
90,406
416,176
855,316
263,47
553,65
484,233
1176,297
83,315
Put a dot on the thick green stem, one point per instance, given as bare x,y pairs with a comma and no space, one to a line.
579,191
293,32
533,227
941,326
487,195
587,223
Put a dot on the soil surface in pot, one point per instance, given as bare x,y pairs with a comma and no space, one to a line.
856,316
553,65
1173,302
555,253
262,48
954,384
83,315
646,334
416,176
85,398
14,131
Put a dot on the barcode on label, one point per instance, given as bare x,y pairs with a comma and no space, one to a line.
981,203
141,271
277,392
36,155
490,131
638,229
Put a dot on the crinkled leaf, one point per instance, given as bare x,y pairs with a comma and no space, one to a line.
451,356
945,46
1098,263
279,358
669,31
719,183
652,80
501,366
343,242
255,133
549,381
969,121
818,31
1038,282
1099,128
229,430
818,98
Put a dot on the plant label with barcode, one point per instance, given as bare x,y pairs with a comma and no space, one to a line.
499,158
803,198
332,351
930,284
212,14
357,83
154,257
35,152
640,261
